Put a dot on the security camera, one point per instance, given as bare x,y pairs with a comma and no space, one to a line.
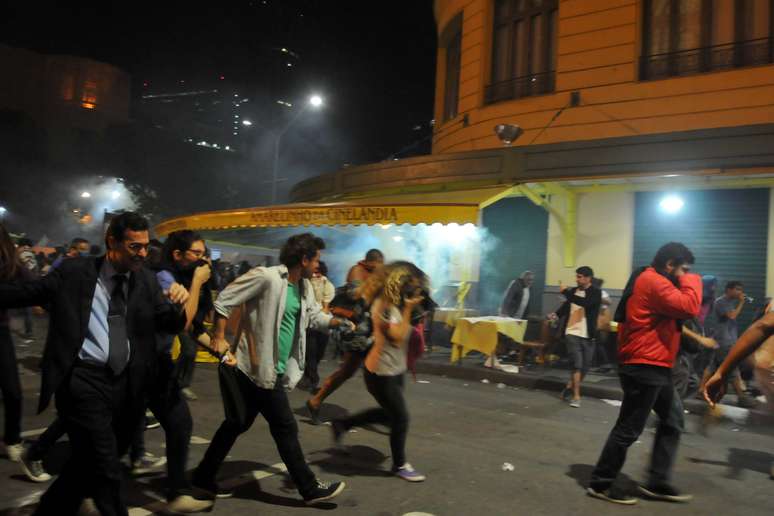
508,133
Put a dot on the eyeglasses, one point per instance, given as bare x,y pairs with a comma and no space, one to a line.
136,247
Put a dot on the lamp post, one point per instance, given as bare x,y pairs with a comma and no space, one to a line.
315,101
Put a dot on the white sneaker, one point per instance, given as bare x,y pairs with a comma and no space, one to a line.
147,463
33,468
14,451
575,403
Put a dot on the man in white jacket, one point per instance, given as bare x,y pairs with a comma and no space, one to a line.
281,306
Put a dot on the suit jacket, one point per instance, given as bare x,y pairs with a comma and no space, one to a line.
68,291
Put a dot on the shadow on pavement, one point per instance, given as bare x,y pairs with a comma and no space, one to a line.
739,460
582,475
350,461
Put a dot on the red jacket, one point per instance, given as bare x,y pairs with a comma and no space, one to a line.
650,334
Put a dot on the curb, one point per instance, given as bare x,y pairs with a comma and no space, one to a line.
528,381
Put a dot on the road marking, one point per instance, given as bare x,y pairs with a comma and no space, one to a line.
33,433
231,483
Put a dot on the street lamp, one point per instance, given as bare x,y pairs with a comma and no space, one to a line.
2,213
315,102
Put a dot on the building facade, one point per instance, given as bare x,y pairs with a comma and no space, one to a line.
620,104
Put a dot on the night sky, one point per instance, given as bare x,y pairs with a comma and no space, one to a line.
373,61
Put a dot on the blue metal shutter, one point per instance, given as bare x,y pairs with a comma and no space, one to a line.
727,231
517,235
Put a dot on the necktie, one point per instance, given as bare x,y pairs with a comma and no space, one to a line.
118,354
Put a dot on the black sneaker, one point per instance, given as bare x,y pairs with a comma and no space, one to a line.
324,491
665,493
151,422
211,489
612,495
314,413
33,468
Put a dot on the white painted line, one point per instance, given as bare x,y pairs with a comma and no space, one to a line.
33,433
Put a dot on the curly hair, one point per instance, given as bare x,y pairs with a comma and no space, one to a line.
390,281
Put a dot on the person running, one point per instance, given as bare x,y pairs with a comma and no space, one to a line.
271,362
393,294
355,349
11,269
654,302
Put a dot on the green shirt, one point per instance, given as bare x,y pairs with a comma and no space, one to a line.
288,327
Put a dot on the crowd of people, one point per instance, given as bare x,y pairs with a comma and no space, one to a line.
114,318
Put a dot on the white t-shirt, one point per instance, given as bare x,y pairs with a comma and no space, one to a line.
523,304
576,324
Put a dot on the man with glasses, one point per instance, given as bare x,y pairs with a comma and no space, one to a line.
655,301
105,313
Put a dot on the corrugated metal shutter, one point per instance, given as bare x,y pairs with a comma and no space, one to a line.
517,238
727,231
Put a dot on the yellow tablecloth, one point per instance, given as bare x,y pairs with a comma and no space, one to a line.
480,334
449,316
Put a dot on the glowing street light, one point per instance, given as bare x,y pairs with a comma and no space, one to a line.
247,123
85,195
671,204
2,213
315,102
115,194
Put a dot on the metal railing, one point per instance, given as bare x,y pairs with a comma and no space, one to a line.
707,59
518,87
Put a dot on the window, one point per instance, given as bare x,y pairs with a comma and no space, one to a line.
452,40
523,49
683,37
89,95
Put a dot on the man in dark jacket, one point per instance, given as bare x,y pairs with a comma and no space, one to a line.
517,296
655,303
581,310
99,358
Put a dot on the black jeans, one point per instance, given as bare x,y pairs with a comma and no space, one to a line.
388,392
641,395
316,342
10,387
187,360
100,419
171,409
40,448
273,404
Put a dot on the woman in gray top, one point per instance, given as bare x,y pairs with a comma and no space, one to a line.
394,292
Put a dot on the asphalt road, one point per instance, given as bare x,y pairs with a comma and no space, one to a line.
461,436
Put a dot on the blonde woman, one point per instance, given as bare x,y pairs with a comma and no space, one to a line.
393,294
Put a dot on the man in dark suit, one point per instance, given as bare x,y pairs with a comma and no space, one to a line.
99,357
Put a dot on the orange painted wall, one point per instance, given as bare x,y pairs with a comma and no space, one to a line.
598,50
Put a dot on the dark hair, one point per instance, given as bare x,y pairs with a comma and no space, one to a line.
24,241
9,263
179,241
585,271
675,252
323,269
374,255
299,247
76,241
127,220
734,284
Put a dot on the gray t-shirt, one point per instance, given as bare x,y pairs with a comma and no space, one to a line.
726,330
389,359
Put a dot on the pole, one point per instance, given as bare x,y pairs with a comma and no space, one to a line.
277,142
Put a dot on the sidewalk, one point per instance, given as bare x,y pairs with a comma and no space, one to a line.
553,378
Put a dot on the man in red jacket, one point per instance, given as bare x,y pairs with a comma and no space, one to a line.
655,302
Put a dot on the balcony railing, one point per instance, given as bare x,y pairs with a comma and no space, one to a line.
518,87
707,59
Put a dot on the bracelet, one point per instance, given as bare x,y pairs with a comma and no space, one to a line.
224,358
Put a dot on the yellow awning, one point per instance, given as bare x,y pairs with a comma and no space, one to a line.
461,207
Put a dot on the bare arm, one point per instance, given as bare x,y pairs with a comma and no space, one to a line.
750,340
700,339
